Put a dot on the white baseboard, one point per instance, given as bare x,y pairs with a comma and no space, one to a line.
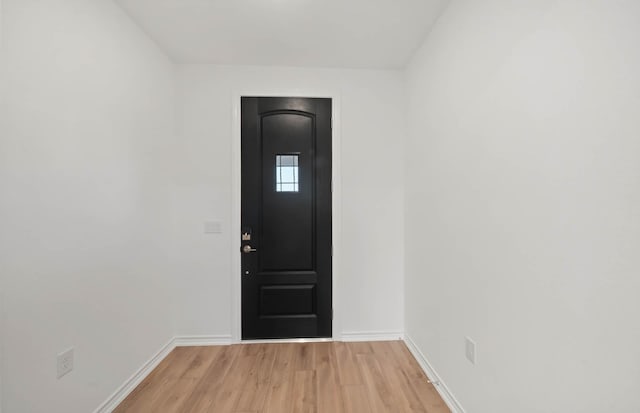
372,336
119,395
188,341
440,386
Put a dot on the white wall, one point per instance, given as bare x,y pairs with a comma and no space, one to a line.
370,279
523,200
84,217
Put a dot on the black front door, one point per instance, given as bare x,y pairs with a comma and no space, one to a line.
286,218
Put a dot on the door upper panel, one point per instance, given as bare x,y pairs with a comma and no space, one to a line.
288,224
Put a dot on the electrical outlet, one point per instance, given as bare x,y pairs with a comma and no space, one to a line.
470,350
65,362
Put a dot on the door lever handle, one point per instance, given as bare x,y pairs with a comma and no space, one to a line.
247,249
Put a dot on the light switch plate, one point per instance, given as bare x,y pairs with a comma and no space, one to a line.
212,227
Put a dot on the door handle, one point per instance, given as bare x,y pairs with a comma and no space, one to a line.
247,249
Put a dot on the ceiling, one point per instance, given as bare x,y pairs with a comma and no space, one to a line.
379,34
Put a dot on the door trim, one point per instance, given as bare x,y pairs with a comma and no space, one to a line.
336,202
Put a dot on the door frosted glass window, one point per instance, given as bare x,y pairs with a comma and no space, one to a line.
287,173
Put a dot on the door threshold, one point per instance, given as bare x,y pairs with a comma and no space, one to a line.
288,340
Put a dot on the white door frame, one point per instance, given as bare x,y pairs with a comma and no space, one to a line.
336,203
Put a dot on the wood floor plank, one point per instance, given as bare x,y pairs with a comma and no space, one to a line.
257,380
206,391
362,347
405,359
182,387
199,366
408,401
304,392
381,398
348,370
355,399
279,397
304,357
416,379
230,392
330,398
331,377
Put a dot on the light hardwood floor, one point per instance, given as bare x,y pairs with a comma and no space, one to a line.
332,377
